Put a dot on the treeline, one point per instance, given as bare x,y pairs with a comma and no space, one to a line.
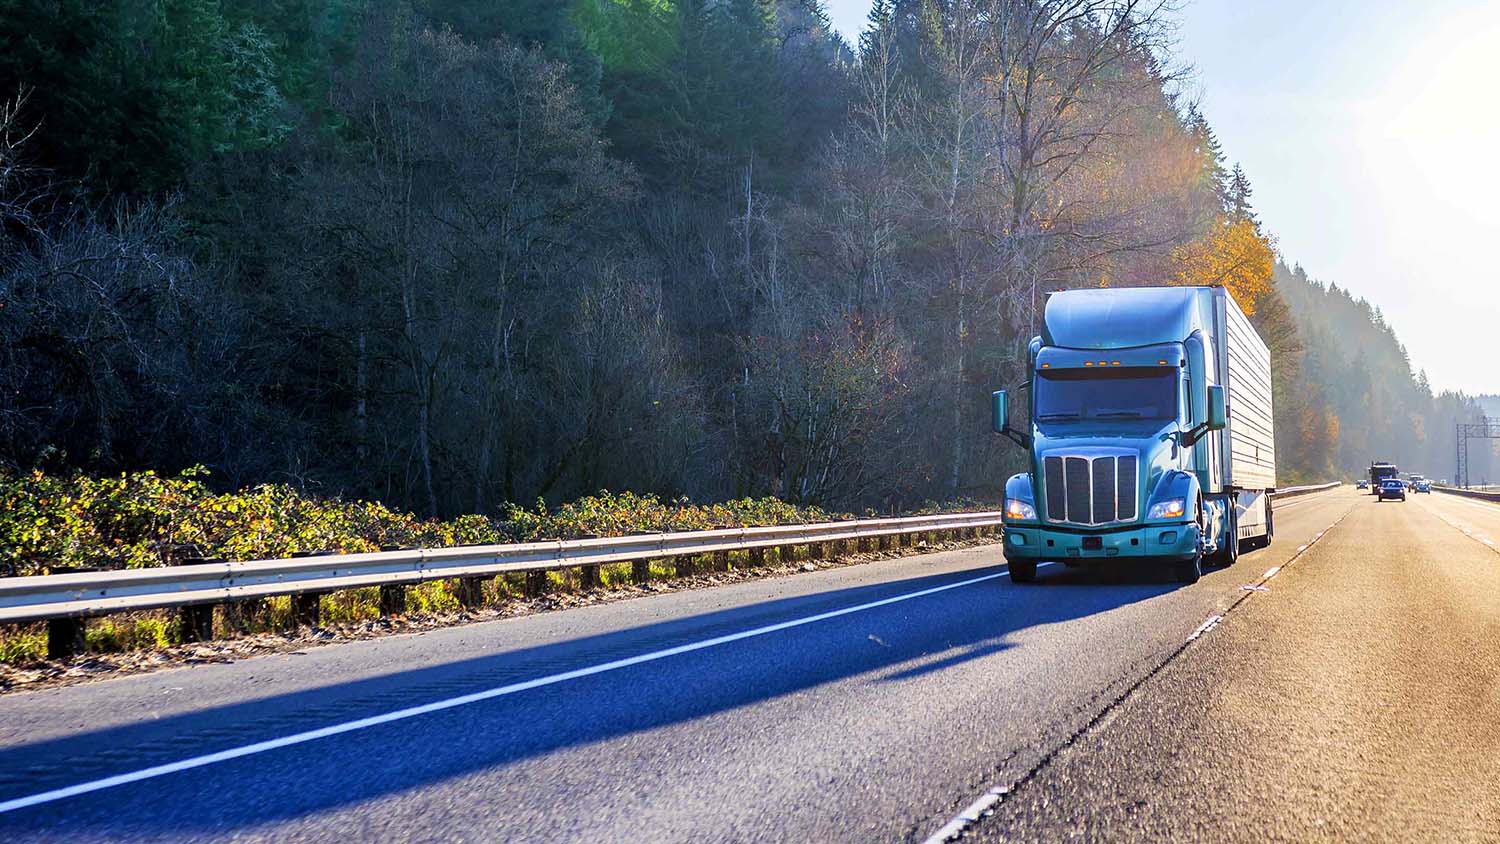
1357,398
449,254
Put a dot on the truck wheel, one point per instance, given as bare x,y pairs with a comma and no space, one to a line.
1022,571
1265,541
1189,570
1230,551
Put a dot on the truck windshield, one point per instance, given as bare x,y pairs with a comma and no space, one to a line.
1138,392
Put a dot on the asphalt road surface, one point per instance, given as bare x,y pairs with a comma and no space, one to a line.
1351,695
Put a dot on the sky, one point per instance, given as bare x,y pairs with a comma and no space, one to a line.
1368,130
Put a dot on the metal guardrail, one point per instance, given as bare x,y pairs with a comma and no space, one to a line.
64,600
1293,491
82,594
1482,495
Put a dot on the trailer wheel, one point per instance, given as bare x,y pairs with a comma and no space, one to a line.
1265,541
1022,571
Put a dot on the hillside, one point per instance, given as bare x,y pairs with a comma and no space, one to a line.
1356,398
695,249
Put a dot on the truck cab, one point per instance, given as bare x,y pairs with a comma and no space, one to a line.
1130,428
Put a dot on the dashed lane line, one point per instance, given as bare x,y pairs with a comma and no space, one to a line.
984,806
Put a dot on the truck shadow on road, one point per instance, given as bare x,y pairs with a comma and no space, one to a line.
896,642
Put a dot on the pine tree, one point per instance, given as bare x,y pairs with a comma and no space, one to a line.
1238,202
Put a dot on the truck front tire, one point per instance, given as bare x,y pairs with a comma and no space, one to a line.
1229,549
1188,571
1022,571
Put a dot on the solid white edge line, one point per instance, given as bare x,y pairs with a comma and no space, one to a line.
463,700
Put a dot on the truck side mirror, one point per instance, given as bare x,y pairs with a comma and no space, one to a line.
1218,414
1000,412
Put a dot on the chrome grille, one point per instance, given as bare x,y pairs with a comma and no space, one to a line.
1125,490
1052,475
1076,487
1090,490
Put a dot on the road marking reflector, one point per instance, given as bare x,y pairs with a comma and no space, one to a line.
463,700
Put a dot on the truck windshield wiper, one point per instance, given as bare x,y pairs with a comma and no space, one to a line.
1119,414
1055,417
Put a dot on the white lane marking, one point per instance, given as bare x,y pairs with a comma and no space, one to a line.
1251,587
984,806
464,700
978,809
1211,623
1462,527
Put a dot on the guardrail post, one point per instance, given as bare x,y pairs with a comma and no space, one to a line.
757,557
307,609
197,620
470,591
721,561
588,577
198,623
816,551
64,637
640,571
536,583
392,599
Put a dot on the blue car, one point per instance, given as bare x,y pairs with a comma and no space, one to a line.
1392,488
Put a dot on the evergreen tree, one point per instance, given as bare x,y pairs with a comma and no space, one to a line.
1238,198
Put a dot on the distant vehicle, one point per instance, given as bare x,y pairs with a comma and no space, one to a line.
1422,486
1148,427
1391,488
1362,485
1379,471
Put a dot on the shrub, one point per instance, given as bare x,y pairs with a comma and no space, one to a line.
50,523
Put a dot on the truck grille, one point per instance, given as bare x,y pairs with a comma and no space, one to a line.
1090,490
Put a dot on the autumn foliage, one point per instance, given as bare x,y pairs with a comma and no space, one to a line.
1233,254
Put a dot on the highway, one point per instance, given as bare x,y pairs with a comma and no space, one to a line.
1352,694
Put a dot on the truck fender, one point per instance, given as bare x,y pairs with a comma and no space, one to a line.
1174,483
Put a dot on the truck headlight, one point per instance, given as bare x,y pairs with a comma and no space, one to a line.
1170,509
1019,510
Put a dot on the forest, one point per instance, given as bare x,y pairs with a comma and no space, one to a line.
455,254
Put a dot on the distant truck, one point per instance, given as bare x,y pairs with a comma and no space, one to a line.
1149,427
1379,471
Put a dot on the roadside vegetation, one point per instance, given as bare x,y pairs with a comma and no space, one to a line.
73,522
55,523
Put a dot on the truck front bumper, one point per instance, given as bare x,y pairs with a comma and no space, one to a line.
1038,542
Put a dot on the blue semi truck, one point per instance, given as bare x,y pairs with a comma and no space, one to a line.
1148,422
